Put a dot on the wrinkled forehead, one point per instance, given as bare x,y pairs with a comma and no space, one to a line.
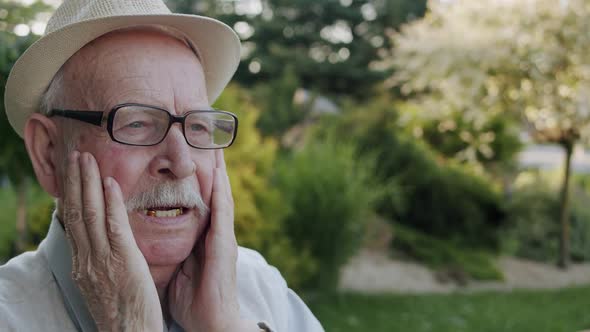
127,38
152,29
96,66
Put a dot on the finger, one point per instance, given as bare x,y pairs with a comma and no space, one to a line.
118,228
221,240
222,210
229,195
73,222
93,205
220,162
219,159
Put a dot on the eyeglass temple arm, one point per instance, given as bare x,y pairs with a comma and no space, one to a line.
92,117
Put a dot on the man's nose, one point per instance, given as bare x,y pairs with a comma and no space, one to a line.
174,159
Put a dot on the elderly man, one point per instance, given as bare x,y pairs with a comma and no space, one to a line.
114,106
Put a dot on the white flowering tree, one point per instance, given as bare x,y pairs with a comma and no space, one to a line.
524,58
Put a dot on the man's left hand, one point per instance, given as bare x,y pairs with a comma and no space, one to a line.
203,294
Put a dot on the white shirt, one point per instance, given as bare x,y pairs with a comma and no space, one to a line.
37,292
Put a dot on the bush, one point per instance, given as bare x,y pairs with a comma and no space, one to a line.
426,192
449,260
39,217
39,208
7,222
533,229
330,194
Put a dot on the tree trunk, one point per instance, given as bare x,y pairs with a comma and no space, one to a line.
564,207
21,215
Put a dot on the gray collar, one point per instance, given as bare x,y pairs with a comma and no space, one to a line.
58,252
59,256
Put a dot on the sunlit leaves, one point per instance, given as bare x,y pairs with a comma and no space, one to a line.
481,58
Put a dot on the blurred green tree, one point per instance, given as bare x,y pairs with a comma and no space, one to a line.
524,59
493,146
333,45
281,113
14,161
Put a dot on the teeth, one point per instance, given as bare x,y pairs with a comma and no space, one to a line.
163,213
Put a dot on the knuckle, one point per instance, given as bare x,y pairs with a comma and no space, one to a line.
90,216
73,215
113,227
71,181
110,213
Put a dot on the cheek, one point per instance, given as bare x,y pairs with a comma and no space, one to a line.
123,166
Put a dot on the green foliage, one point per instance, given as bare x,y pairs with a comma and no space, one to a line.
259,209
276,98
493,144
7,224
330,193
38,217
14,161
451,261
39,208
425,191
299,33
531,230
580,232
563,310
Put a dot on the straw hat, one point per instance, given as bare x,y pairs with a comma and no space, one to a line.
77,22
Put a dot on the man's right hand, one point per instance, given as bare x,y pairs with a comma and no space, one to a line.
107,265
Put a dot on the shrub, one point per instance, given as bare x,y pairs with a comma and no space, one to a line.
445,257
427,192
39,207
330,194
39,217
533,229
7,222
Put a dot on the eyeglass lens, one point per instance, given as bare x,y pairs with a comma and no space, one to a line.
140,125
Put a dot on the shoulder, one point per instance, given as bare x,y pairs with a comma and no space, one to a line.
21,275
251,261
264,295
255,277
29,296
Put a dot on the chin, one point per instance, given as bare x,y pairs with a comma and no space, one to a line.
166,240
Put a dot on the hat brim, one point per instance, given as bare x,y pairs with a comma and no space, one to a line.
218,47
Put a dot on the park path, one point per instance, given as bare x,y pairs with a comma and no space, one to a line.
373,271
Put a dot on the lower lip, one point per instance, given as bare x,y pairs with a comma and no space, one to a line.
183,218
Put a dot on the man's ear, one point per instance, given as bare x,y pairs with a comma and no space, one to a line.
40,137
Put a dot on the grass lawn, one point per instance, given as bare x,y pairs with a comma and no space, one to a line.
519,311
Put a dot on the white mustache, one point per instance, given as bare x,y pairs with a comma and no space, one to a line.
169,193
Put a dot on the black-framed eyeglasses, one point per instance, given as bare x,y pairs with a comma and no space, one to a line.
145,125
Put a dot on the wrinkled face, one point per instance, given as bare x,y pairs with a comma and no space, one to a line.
154,69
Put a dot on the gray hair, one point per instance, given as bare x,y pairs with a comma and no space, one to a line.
52,98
